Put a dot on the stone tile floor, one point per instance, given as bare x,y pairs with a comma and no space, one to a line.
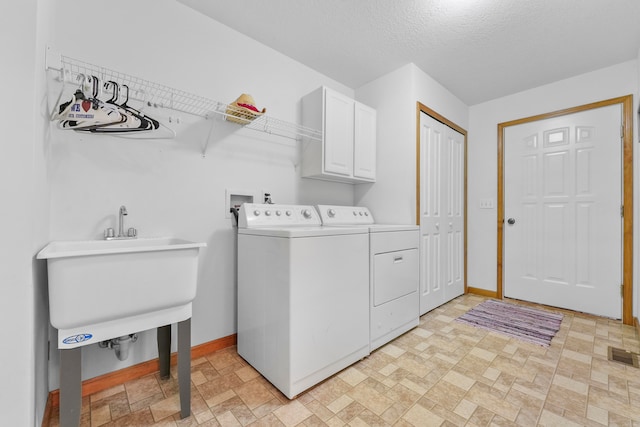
442,373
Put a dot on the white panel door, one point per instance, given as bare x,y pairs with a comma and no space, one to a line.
338,133
441,213
562,209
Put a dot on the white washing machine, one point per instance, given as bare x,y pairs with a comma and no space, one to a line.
303,292
394,271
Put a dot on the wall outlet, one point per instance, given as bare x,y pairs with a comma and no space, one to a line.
486,204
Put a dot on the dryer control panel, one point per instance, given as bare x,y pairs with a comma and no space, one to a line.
345,215
254,215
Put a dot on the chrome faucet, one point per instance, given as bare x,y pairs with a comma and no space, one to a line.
123,212
131,233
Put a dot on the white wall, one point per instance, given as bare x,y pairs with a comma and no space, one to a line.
41,203
167,185
435,96
24,218
392,199
611,82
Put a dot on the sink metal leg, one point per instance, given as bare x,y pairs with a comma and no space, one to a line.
70,386
184,367
164,350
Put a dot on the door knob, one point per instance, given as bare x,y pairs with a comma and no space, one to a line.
511,221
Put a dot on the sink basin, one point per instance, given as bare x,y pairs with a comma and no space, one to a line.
99,288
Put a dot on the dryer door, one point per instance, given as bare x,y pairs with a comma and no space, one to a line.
394,275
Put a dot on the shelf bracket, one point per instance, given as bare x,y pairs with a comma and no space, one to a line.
206,143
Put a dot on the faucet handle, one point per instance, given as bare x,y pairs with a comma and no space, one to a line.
109,233
132,232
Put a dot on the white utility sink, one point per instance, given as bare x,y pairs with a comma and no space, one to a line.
100,289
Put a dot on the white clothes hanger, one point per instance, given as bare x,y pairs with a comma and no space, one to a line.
86,114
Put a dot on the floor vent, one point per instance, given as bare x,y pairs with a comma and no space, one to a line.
623,356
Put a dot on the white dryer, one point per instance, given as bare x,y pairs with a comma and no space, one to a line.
394,271
303,292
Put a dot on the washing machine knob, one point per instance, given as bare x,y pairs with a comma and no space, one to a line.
306,213
331,212
256,212
366,214
288,213
278,213
355,213
267,213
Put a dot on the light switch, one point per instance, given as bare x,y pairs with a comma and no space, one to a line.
486,203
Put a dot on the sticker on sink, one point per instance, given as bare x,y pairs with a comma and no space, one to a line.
74,339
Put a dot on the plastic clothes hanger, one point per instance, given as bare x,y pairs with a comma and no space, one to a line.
136,121
91,113
163,131
131,123
65,108
154,123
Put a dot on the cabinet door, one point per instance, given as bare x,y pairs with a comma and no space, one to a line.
364,147
338,134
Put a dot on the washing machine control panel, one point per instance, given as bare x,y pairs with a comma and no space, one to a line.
275,215
345,215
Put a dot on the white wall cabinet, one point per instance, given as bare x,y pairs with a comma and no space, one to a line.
347,152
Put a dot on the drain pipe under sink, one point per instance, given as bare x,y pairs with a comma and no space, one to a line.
120,345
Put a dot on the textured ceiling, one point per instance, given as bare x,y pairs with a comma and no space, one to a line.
478,49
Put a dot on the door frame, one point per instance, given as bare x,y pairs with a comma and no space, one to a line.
421,108
627,193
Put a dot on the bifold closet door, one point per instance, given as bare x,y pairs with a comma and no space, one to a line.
442,213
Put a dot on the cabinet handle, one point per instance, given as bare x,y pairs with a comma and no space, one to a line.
398,259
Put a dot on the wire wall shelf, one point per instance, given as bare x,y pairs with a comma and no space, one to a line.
152,94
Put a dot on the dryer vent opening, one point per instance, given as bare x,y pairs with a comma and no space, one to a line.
623,356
